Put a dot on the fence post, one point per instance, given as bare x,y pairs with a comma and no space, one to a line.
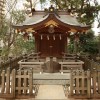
83,82
88,84
99,82
77,82
94,80
71,84
25,82
30,83
8,81
3,82
19,81
13,82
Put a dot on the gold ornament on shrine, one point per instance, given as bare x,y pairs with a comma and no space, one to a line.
51,22
30,30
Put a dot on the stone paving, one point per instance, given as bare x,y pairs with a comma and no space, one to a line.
51,92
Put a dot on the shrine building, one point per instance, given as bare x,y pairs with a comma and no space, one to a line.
50,30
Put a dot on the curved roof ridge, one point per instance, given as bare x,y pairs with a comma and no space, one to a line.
68,19
44,17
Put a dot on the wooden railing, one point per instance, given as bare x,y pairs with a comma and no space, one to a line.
85,84
17,84
90,64
32,55
71,65
11,63
66,56
35,66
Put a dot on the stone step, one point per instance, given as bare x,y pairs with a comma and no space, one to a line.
51,79
51,76
51,82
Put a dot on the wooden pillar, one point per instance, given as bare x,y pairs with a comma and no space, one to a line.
67,41
75,48
37,42
76,39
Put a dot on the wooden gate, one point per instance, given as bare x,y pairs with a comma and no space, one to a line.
85,84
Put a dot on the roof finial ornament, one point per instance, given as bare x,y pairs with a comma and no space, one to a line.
51,8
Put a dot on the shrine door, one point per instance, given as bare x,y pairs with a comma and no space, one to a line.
52,46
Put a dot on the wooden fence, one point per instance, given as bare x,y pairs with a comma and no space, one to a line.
85,84
17,84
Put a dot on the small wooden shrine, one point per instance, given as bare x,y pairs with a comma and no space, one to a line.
51,30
